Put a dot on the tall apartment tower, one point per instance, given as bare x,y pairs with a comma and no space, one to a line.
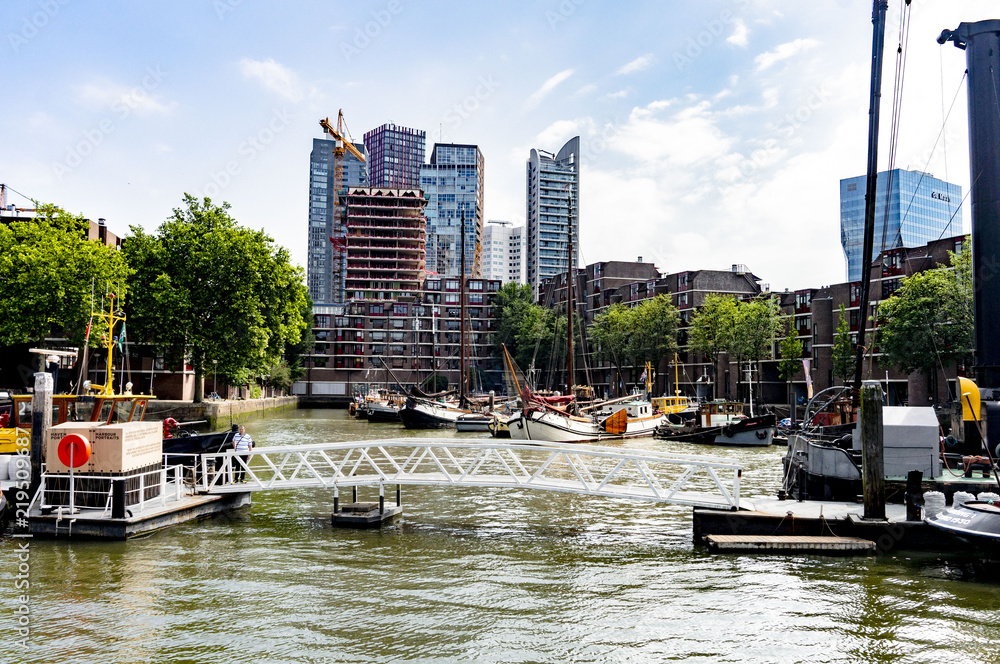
453,184
503,251
395,155
384,245
553,206
921,209
324,221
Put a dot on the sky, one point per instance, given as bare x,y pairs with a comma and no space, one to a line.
713,132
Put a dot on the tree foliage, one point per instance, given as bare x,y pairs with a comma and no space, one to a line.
635,335
791,354
711,330
844,351
205,288
930,320
757,323
525,328
50,270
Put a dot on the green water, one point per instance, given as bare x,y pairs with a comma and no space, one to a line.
484,575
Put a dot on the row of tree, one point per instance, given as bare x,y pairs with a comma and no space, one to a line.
201,288
927,324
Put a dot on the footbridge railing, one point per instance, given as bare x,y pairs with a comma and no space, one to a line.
583,469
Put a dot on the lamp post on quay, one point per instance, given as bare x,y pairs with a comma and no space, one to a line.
215,377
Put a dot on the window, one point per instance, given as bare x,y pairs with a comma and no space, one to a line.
376,309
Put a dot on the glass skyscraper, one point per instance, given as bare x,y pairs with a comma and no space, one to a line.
453,186
553,204
921,209
395,155
324,221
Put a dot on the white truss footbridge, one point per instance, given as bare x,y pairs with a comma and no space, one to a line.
570,468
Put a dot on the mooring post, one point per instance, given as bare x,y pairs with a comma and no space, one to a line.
354,495
399,496
873,467
117,499
913,497
381,498
41,420
336,499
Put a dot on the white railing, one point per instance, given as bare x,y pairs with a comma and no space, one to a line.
97,502
572,468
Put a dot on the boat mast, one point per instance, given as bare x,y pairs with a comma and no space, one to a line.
461,325
569,298
878,39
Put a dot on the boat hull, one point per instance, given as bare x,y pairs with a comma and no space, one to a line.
473,423
751,432
417,415
553,427
976,522
380,413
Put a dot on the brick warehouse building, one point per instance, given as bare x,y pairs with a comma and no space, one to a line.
812,312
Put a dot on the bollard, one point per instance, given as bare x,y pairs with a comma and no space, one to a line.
381,498
873,466
913,497
336,499
399,495
354,495
118,499
41,420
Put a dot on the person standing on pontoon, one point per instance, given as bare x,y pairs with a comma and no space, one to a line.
243,446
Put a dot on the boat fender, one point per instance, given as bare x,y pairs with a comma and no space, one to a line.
728,430
950,441
80,448
761,434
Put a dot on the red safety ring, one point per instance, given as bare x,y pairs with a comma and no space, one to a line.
80,447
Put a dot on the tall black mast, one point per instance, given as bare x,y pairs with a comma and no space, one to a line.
981,42
878,40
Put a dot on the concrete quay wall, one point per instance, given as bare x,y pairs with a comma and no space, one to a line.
219,414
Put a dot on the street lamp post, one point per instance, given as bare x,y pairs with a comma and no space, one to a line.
215,377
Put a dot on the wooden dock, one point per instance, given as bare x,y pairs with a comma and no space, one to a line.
827,545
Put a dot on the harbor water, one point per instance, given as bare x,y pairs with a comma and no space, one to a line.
482,575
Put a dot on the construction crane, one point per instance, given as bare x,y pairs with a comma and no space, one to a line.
339,237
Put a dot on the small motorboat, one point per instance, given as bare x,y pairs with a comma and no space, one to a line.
474,422
976,522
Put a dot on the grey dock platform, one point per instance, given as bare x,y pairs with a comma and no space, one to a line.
765,516
365,515
92,524
827,545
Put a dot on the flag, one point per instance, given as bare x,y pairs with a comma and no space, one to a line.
642,378
121,339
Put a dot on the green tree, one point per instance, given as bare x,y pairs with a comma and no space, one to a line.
612,333
524,327
930,321
790,362
844,349
205,288
50,271
711,330
757,323
655,335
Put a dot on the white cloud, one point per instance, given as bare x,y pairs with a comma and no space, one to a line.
275,78
740,33
552,137
783,52
640,63
621,94
585,90
139,98
547,87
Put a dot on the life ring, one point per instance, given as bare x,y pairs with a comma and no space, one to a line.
74,450
761,434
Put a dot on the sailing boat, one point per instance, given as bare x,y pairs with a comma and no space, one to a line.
425,412
562,418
